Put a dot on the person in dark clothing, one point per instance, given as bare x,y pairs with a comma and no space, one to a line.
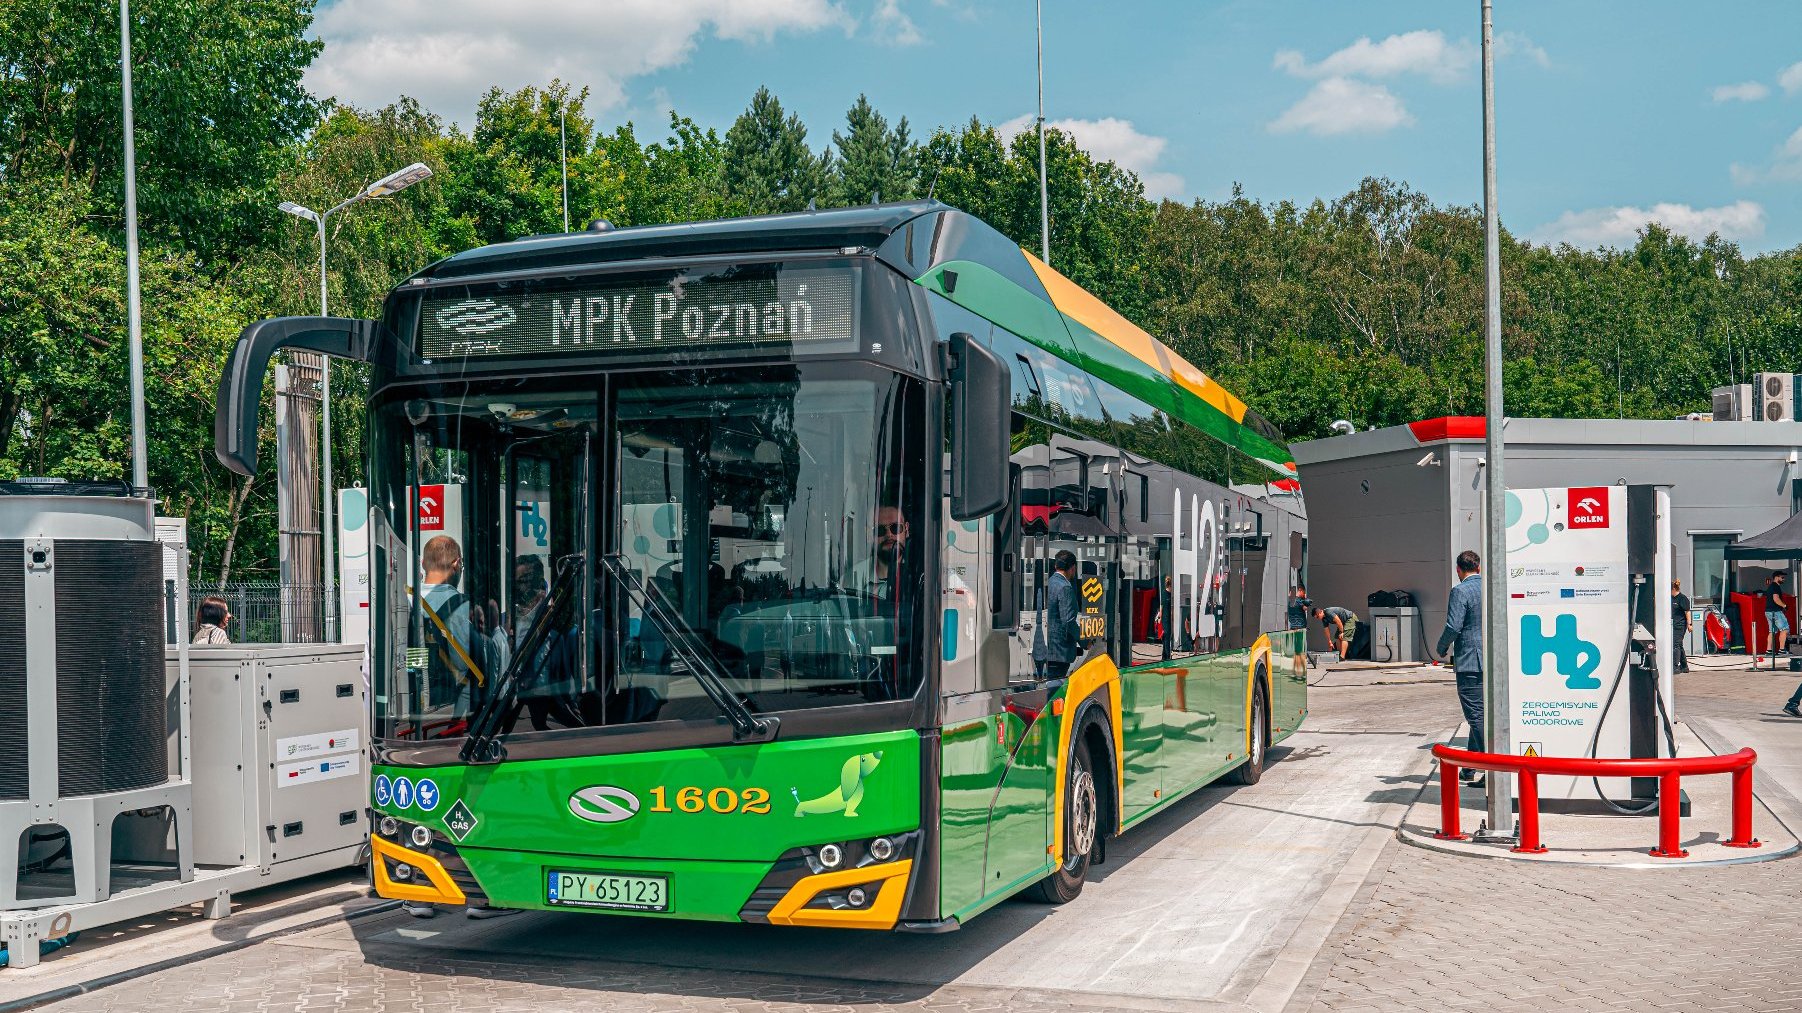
1679,627
1776,617
1299,604
1464,628
1056,650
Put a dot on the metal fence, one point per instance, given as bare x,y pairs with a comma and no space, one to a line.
262,612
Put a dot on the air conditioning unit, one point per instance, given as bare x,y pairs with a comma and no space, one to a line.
1734,403
1774,397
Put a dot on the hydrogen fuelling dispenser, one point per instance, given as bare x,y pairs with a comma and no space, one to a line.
1590,633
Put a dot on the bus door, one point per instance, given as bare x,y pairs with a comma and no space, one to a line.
547,489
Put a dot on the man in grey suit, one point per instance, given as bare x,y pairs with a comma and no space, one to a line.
1464,626
1057,650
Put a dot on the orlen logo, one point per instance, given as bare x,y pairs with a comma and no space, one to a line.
603,803
1589,507
431,508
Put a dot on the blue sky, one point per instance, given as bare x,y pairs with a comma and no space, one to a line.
1609,112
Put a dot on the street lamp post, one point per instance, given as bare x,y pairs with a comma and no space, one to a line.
1044,204
1496,708
388,185
140,458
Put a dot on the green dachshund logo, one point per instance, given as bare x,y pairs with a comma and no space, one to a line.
847,795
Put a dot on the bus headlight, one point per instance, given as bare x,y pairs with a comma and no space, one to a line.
422,837
403,872
856,897
831,855
388,827
882,849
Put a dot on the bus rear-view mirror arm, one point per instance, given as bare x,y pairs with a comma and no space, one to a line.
241,384
981,404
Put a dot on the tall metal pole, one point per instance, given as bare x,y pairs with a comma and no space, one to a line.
328,570
1496,709
1044,201
140,459
563,160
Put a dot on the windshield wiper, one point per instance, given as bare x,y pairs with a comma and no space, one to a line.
702,663
483,744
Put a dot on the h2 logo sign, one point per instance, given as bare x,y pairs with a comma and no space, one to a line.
1576,658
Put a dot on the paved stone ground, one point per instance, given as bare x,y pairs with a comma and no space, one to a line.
1571,938
1551,937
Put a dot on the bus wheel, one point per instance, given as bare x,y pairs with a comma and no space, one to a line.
1253,768
1082,820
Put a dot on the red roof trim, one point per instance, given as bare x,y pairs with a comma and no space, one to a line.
1452,427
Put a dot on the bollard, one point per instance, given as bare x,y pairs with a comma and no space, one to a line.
1670,823
1448,803
1529,815
1742,811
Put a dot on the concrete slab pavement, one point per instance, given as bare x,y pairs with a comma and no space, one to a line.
1223,903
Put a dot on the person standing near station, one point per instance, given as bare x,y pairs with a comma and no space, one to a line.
1298,607
1679,627
1776,618
1464,629
1055,651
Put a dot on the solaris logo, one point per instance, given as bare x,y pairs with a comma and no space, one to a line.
1577,658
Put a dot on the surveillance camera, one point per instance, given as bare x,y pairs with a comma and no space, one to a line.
1429,460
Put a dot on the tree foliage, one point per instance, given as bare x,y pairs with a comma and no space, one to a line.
1366,306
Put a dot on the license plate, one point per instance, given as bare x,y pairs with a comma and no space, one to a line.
606,890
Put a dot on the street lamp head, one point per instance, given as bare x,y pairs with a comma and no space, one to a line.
297,211
398,180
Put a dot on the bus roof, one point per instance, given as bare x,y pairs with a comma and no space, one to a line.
947,251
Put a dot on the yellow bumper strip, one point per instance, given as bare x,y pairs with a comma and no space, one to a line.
438,888
882,913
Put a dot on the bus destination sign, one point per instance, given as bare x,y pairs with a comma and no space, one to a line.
692,310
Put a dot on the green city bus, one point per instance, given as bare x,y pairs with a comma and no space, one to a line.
711,567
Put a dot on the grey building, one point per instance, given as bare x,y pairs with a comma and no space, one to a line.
1392,508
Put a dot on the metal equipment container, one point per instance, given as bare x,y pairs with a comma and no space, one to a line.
87,742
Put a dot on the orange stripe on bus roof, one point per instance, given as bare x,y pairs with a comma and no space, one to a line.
1076,302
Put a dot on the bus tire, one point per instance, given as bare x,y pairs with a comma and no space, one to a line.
1082,822
1258,737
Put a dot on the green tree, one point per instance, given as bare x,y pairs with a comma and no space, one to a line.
873,159
768,166
218,98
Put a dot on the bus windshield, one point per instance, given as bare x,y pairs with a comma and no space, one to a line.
773,511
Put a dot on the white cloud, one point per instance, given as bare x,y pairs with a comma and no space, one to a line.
896,28
1419,52
447,52
1740,221
1785,167
1341,105
1791,79
1113,140
1509,44
1746,91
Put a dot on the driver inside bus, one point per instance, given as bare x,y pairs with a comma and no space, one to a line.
885,582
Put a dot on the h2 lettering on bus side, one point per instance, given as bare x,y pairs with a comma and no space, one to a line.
1189,561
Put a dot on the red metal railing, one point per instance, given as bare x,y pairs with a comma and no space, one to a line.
1668,771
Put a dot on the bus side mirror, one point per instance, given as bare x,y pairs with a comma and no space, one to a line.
241,384
981,405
